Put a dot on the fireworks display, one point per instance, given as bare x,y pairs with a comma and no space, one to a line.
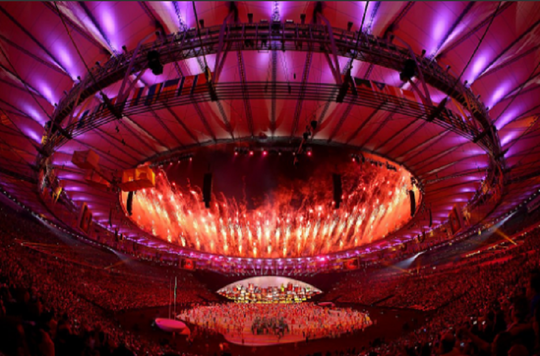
262,207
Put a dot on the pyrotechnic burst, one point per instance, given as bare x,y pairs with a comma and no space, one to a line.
297,219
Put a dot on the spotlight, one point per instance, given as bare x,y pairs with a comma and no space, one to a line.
251,152
153,63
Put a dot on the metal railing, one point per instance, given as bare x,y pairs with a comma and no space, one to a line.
282,91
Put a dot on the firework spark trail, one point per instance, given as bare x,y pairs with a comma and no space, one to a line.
291,221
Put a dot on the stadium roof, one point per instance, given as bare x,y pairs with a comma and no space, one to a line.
270,80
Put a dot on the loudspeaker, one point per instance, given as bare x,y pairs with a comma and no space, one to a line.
154,63
409,70
338,191
207,189
129,203
413,202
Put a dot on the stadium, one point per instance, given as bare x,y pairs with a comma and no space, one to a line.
260,178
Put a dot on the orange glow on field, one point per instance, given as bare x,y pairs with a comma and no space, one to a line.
297,219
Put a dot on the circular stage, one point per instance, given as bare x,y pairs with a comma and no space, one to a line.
273,324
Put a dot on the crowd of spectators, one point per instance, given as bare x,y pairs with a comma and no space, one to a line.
49,306
112,281
420,283
485,305
487,308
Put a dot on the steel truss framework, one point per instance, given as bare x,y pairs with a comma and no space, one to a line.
287,37
283,91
